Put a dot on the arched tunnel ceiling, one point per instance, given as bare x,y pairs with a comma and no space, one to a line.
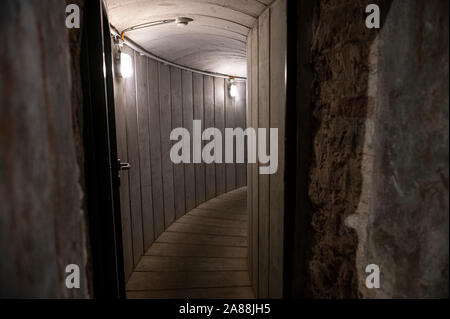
214,42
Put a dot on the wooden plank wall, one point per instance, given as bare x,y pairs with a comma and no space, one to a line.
210,169
249,123
278,26
267,109
263,122
219,122
230,168
254,167
122,152
199,114
156,192
188,117
155,146
177,121
240,118
144,149
134,174
165,117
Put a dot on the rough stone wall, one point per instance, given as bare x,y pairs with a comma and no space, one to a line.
379,176
75,40
340,49
41,223
403,217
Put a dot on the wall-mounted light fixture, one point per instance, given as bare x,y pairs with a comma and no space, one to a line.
232,88
126,65
181,22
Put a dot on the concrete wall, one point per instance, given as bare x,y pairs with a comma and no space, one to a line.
156,192
41,218
266,54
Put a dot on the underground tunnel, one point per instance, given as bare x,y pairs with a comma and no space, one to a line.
224,149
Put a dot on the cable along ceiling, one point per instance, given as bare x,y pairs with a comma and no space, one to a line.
215,41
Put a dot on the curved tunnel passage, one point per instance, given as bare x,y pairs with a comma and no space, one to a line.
201,255
159,97
156,192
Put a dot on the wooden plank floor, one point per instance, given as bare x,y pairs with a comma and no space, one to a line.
201,255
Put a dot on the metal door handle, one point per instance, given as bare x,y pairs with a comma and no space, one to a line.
124,166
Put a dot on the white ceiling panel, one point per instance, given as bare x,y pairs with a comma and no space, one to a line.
213,42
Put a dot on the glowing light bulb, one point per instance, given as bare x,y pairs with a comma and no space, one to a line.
126,65
233,90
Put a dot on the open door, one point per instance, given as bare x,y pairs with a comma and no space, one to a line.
101,165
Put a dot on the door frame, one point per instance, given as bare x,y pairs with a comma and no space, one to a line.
101,166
